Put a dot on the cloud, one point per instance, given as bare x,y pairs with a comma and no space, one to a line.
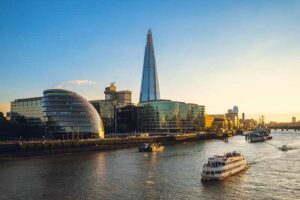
59,86
66,84
82,82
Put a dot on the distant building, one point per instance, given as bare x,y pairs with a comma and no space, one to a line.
150,86
247,124
30,109
233,116
118,97
126,119
243,116
294,119
107,108
165,116
220,122
209,121
235,109
61,113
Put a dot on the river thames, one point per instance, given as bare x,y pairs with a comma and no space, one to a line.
171,174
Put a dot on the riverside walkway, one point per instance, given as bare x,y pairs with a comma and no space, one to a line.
37,147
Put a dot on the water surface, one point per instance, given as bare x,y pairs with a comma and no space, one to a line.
171,174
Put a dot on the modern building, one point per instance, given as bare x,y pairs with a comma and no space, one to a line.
126,119
119,97
150,86
62,113
30,109
66,112
107,108
233,115
293,119
165,116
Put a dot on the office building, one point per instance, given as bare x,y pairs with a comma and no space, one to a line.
233,116
126,119
118,97
150,86
30,109
165,116
62,114
107,108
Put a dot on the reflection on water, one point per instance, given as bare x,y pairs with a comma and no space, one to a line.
171,174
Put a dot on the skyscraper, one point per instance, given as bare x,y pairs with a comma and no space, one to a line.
149,87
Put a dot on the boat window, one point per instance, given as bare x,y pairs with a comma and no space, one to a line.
207,172
218,172
223,164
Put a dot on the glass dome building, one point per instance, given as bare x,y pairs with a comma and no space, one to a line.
68,115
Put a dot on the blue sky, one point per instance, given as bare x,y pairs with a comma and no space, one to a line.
216,53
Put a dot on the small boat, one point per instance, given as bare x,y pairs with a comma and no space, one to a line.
220,167
284,148
147,147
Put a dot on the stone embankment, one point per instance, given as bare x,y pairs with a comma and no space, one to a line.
40,147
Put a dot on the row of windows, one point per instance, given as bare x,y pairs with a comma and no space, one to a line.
223,171
49,113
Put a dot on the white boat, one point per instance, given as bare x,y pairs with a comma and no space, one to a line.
220,167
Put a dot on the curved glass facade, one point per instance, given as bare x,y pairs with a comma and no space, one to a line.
164,116
67,114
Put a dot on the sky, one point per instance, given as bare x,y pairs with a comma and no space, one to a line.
213,53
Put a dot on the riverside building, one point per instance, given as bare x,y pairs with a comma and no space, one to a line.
165,116
61,113
107,108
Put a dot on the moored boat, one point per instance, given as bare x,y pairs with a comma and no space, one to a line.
147,147
220,167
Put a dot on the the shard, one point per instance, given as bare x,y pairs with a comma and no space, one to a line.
150,87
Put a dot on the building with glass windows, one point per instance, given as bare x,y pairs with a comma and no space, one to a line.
30,109
62,113
107,108
149,87
165,116
66,112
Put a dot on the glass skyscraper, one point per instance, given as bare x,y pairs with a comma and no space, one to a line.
150,87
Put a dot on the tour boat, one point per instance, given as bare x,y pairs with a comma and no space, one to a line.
220,167
146,147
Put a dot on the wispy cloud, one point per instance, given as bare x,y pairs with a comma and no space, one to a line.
66,84
59,86
82,82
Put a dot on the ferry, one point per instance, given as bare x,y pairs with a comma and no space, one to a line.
220,167
147,147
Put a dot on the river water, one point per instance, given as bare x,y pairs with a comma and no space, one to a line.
171,174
